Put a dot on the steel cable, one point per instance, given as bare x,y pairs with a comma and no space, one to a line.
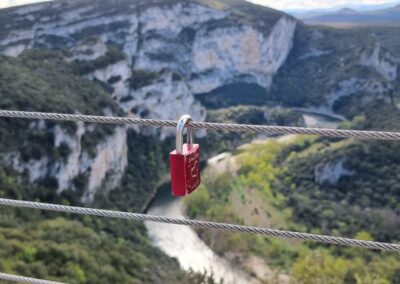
17,278
203,224
268,129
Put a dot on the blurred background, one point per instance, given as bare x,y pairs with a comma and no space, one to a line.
291,63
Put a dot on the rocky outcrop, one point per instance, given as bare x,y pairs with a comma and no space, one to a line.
228,53
355,85
105,168
314,52
372,86
199,43
331,172
88,50
381,61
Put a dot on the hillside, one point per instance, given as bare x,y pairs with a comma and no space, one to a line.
340,71
337,187
40,152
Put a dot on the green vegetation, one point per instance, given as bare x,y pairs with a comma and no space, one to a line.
322,57
366,199
261,17
141,78
87,250
83,249
113,55
68,251
217,142
255,115
235,94
42,81
245,196
275,184
25,85
145,172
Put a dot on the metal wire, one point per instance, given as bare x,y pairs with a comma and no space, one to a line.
203,224
358,134
210,126
17,278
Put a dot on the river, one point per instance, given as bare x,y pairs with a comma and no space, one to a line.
182,243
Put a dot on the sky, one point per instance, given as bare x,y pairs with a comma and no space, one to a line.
320,4
277,4
9,3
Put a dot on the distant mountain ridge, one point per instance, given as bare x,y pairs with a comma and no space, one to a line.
347,11
386,16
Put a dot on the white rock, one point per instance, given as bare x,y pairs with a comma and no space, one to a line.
88,50
165,99
35,169
120,69
353,85
382,61
109,164
226,53
106,168
65,172
314,52
331,172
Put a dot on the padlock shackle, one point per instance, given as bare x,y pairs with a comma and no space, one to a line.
179,133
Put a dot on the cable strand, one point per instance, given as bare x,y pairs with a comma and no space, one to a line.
268,129
204,224
17,278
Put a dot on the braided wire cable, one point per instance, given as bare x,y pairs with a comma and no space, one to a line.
268,129
17,278
203,224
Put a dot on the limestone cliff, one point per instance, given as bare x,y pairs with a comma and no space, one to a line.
199,44
155,56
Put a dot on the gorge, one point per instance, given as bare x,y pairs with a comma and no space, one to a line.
218,60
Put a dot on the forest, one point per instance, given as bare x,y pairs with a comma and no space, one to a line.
281,183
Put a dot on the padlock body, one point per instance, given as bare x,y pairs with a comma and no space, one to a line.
185,169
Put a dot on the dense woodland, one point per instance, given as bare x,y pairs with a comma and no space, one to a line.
362,203
71,248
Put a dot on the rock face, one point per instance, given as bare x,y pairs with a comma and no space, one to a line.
355,85
109,163
381,60
339,70
104,168
331,172
170,51
198,44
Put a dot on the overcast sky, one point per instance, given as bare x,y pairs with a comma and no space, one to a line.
9,3
320,4
277,4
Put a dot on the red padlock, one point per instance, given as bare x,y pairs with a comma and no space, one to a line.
184,161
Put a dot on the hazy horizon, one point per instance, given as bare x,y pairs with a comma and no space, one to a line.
285,5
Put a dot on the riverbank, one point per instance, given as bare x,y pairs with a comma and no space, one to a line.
182,242
190,250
